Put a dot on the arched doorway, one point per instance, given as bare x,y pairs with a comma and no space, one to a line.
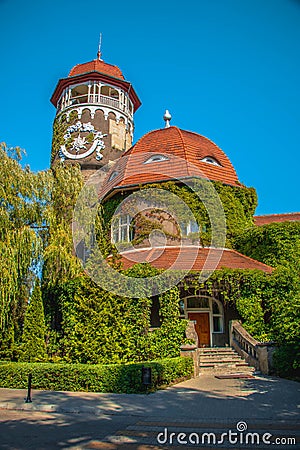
208,317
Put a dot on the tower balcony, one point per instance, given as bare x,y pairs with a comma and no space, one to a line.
99,100
92,94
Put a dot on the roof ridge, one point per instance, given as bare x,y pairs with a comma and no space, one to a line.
184,148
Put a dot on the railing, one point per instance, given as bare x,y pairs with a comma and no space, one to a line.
257,354
109,101
96,99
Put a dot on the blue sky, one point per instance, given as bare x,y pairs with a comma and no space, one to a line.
226,69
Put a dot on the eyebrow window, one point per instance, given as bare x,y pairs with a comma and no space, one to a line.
211,160
156,158
113,175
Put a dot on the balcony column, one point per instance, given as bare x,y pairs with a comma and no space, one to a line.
123,101
68,97
90,100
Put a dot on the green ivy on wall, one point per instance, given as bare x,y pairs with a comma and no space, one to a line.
60,126
239,204
100,327
274,244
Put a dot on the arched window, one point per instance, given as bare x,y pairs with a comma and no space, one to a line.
211,160
197,303
114,93
105,90
156,158
79,94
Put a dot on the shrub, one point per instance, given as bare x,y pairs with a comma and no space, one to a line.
118,378
286,360
33,346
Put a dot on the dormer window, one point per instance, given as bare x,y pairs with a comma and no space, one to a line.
156,158
211,160
113,175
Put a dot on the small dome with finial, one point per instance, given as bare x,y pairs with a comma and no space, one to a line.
167,118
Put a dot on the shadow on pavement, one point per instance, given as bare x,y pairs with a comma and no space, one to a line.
84,420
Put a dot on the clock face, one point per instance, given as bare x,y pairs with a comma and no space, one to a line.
81,140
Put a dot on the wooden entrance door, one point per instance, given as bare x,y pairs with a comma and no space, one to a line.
202,327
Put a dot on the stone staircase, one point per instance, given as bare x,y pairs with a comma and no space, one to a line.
222,360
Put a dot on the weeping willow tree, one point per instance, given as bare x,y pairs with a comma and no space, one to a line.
24,195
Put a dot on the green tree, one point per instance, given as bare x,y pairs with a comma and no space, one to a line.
23,199
60,264
33,347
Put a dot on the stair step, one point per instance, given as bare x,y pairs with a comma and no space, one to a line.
226,370
222,360
215,355
216,350
214,358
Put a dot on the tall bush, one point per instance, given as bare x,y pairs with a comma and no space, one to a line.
33,346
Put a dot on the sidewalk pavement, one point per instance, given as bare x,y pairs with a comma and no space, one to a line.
206,397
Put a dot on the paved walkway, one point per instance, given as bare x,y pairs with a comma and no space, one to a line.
204,397
206,403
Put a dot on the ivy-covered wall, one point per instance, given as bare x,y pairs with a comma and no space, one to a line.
101,327
274,244
60,126
239,204
278,244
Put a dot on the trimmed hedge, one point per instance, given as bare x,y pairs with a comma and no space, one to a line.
118,378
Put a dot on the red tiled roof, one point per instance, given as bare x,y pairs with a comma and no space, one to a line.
97,65
96,70
271,218
192,258
184,150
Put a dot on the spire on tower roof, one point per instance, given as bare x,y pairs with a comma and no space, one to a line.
99,47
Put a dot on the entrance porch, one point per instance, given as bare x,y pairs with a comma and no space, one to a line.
210,319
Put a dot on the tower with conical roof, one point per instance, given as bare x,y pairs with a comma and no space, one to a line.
94,115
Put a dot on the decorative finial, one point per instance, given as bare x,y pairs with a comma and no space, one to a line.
99,47
167,118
